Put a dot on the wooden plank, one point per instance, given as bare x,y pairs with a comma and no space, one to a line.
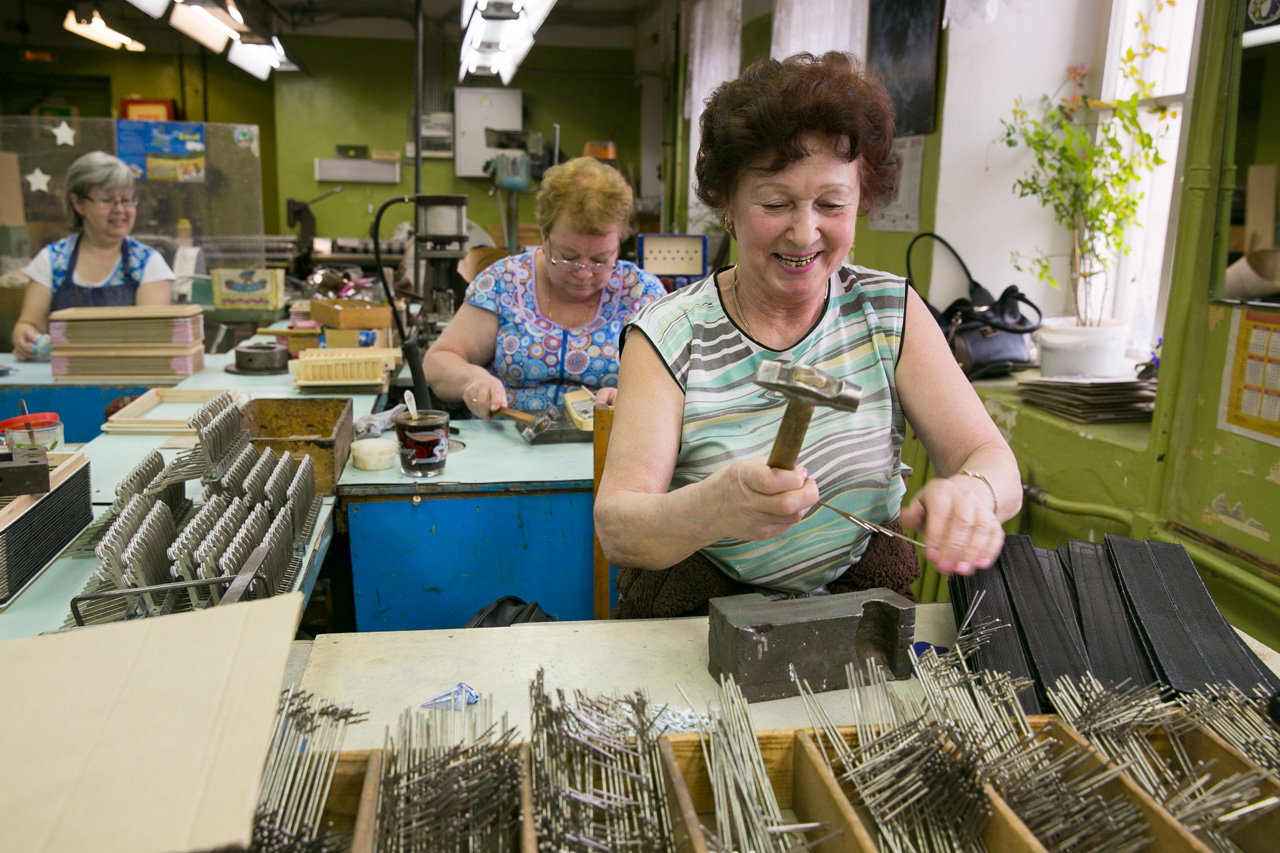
528,829
1004,830
363,838
817,797
127,312
121,350
603,425
685,828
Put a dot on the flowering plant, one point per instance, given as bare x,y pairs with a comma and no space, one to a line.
1090,157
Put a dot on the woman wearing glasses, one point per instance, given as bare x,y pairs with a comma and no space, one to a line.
537,324
98,263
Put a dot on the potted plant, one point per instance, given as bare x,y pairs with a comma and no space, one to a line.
1090,157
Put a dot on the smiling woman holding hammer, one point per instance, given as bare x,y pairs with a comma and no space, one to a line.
693,503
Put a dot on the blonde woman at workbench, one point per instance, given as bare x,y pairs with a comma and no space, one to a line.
791,153
537,324
98,264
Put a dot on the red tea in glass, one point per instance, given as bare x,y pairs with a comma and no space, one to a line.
424,443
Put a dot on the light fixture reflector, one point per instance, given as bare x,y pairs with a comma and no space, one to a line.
189,20
154,8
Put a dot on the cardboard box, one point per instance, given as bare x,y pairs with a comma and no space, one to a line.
251,288
147,735
354,338
350,314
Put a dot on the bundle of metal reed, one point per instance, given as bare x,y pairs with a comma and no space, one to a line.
1120,722
1047,786
1238,719
451,782
596,773
918,779
295,784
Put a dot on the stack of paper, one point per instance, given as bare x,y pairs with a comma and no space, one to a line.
1090,399
154,343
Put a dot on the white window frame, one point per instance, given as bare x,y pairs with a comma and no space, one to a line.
1140,279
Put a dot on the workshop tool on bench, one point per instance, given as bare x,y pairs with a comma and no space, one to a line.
804,388
24,471
550,427
871,525
767,645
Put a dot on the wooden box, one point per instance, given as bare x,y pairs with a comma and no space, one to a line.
321,427
350,314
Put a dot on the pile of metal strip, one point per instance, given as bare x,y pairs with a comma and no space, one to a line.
255,504
596,774
35,528
1126,611
918,779
450,783
1240,720
1120,722
301,761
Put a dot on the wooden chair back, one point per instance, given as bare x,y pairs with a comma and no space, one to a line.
600,566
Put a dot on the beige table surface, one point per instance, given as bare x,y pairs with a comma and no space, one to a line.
386,672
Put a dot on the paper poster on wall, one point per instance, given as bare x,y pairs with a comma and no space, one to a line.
903,213
162,150
1250,400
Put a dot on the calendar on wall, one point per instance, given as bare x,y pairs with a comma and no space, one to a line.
1250,402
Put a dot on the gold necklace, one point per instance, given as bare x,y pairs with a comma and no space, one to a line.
594,307
738,305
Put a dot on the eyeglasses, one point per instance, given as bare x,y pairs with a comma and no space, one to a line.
112,202
575,266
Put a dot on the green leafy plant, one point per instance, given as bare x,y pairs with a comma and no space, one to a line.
1090,157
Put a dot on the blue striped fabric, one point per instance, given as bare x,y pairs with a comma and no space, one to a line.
854,457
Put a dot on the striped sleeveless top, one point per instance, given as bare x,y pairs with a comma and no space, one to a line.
855,457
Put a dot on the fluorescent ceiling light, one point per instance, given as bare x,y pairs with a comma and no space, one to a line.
1261,35
498,42
198,24
154,8
96,29
257,59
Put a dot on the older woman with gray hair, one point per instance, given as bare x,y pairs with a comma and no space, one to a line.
98,264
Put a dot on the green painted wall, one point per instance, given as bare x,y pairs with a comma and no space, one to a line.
360,92
233,96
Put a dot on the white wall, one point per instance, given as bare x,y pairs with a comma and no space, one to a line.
1024,53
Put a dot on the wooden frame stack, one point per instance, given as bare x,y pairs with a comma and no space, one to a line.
138,343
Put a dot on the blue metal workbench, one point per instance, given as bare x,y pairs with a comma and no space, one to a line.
79,405
504,518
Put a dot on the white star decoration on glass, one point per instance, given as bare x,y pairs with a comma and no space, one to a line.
39,181
64,134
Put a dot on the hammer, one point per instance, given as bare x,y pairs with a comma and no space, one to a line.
534,425
804,387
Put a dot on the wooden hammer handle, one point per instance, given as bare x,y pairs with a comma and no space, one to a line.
516,415
786,447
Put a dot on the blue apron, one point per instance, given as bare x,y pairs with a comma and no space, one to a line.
68,294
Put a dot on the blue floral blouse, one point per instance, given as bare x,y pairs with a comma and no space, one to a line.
537,359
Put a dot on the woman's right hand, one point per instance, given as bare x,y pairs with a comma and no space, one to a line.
752,501
24,341
484,395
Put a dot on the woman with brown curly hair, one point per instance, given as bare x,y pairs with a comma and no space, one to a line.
791,154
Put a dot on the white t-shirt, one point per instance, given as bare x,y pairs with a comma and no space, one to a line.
41,270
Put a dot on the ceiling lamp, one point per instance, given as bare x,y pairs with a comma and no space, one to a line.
203,26
498,35
258,59
96,29
154,8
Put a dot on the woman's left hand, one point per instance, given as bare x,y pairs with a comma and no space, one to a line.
961,532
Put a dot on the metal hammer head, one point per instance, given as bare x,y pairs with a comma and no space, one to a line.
531,431
808,385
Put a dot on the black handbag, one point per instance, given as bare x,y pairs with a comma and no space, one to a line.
508,610
988,336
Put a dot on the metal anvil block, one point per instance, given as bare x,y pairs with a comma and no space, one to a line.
765,645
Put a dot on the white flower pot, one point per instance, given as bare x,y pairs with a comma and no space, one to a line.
1070,350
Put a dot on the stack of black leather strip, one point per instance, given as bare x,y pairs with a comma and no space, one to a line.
1124,609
